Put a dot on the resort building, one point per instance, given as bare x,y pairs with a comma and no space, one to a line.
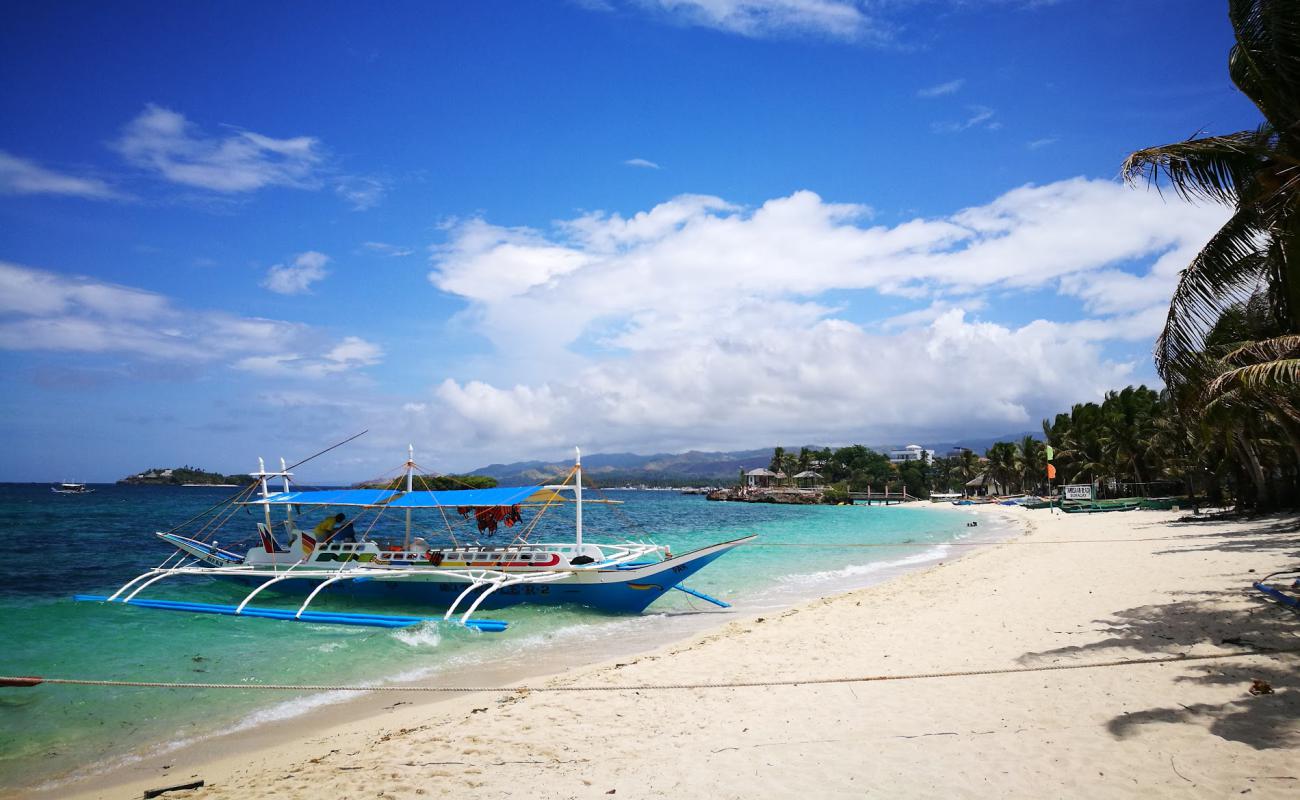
913,452
983,485
808,479
759,478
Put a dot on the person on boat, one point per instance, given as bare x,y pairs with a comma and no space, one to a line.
326,528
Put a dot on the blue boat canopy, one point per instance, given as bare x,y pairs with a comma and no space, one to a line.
386,498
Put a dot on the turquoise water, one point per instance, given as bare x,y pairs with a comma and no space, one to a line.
58,545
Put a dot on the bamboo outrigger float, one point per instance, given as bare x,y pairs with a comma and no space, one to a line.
461,577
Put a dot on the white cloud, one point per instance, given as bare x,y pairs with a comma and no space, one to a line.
48,311
22,176
641,162
942,89
297,276
362,192
1039,144
347,356
977,117
163,141
386,249
697,323
837,19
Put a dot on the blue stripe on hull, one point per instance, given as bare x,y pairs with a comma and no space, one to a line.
631,595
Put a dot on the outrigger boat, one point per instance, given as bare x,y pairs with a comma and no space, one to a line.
460,577
71,488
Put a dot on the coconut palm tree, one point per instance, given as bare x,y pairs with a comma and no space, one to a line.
1031,462
1255,171
968,465
1001,466
778,460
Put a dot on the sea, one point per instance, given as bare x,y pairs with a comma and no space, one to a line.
60,545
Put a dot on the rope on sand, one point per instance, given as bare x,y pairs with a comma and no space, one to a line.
6,680
833,545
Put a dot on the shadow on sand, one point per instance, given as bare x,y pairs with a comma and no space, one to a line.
1239,619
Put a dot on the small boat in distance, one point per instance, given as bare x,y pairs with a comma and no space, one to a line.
71,488
457,570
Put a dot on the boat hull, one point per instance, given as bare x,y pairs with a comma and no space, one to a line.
627,589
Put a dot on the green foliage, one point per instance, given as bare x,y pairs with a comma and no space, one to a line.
858,466
185,474
915,477
836,494
437,483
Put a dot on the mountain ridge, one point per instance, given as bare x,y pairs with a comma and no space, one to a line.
692,467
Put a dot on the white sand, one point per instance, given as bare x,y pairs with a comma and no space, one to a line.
1159,588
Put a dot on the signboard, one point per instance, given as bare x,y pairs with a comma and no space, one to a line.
1077,491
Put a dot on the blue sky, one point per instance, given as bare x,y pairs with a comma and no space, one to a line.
496,229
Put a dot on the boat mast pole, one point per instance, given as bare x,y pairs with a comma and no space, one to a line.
410,469
261,478
577,492
288,507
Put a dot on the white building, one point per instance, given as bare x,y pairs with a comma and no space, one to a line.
913,452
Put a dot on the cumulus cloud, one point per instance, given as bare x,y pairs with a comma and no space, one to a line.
297,276
48,311
22,176
641,162
699,323
163,141
942,89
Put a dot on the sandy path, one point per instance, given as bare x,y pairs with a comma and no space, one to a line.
1170,729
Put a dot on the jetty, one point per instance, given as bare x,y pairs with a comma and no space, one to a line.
885,498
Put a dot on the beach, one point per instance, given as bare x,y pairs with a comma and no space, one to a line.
1068,590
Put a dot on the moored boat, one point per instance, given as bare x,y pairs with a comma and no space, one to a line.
1100,506
71,488
462,575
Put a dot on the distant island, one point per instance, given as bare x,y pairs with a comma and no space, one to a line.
182,476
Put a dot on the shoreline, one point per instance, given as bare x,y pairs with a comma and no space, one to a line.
1115,587
210,751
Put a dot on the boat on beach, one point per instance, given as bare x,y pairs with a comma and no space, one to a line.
71,488
1099,506
467,573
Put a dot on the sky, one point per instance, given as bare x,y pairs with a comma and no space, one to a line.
496,230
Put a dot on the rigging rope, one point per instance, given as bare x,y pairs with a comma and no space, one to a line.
17,680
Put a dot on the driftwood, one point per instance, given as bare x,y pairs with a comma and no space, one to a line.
148,793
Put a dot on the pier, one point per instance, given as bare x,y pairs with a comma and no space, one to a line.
885,498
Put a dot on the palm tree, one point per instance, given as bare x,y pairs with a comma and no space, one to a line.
778,459
1002,465
1031,462
1255,171
967,465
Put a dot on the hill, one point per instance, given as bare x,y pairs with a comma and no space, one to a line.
616,469
692,468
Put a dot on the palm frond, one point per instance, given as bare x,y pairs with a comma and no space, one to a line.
1265,61
1254,353
1280,375
1226,272
1216,168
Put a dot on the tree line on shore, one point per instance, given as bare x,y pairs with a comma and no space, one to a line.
1136,442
